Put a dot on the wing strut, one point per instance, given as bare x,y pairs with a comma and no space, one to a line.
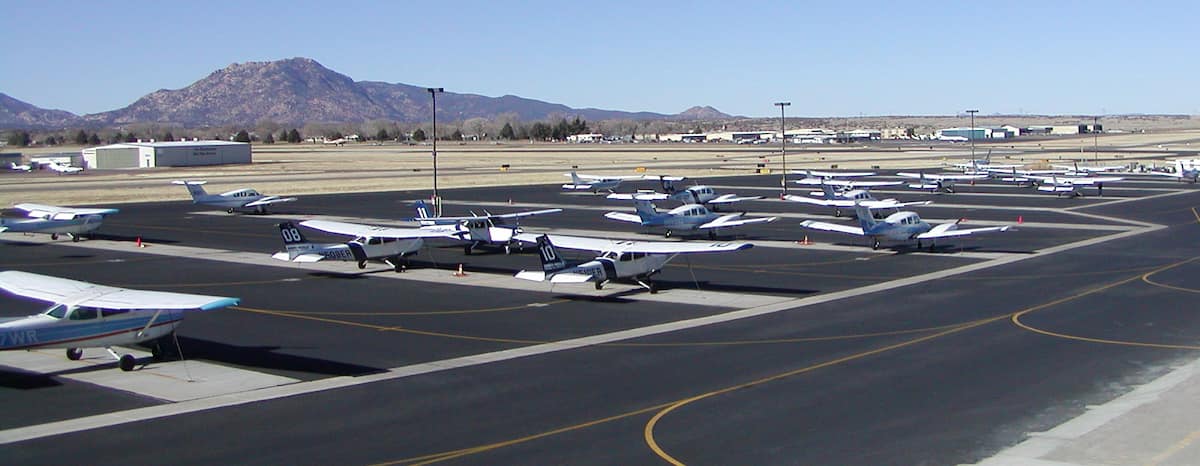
149,323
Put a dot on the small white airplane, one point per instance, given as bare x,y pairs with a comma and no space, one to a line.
823,175
984,165
54,220
333,142
19,168
687,217
596,183
848,199
696,194
1076,169
900,226
1182,172
64,169
478,230
86,315
385,244
943,182
617,259
951,138
1070,185
239,199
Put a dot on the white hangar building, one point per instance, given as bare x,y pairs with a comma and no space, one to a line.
166,154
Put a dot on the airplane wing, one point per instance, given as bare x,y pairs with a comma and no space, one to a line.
734,220
883,204
270,200
941,176
639,196
562,277
825,226
948,230
732,198
832,174
622,216
527,213
646,247
608,177
60,213
62,290
370,231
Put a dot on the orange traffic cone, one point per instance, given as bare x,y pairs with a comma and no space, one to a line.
139,243
1020,219
805,241
460,272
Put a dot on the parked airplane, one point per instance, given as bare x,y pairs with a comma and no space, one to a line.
238,199
951,138
54,220
984,165
384,244
64,169
1182,172
1070,185
617,259
687,217
596,183
20,168
478,230
848,199
823,175
943,182
698,194
900,226
86,315
333,142
1076,169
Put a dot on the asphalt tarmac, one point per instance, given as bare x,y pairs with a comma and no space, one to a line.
849,356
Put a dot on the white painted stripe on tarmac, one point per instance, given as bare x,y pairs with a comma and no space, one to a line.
271,393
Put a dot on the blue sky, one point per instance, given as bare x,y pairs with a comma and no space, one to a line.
827,58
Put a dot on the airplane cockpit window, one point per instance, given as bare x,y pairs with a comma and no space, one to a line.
57,312
84,313
610,255
626,257
374,240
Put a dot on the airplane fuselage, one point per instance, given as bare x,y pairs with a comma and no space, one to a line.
900,226
85,328
613,266
75,226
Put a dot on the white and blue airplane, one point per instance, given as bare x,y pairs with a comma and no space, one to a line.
900,226
687,217
1071,185
597,183
371,243
54,220
939,182
20,168
478,230
697,194
86,315
64,169
1183,172
245,199
617,259
848,199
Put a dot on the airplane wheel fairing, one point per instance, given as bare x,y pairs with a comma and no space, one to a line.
599,285
127,362
74,354
653,288
53,236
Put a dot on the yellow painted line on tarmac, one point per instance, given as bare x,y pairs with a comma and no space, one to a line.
433,313
1176,448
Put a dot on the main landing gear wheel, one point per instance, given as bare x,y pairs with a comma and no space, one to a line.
53,236
875,244
230,210
74,354
362,264
127,362
668,235
599,285
74,238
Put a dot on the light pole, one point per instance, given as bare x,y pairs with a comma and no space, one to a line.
971,133
1096,139
783,143
437,200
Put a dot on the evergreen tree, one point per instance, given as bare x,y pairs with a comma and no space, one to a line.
578,126
293,136
507,132
117,138
168,137
242,136
81,138
456,135
94,139
270,139
382,135
418,135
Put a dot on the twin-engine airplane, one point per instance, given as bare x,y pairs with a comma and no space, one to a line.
596,183
54,220
848,199
943,182
618,259
478,230
86,315
239,199
687,217
900,226
384,244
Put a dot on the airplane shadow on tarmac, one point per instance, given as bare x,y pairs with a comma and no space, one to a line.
17,379
268,358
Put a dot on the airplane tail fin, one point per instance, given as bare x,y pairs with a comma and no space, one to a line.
575,179
195,188
645,209
667,185
551,261
865,219
423,210
293,240
830,194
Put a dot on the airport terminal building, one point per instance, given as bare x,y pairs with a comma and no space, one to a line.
166,154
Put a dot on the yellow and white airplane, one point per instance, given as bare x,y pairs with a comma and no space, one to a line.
54,220
86,315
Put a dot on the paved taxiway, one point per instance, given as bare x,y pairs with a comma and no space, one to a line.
933,370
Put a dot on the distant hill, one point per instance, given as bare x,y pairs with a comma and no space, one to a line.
702,113
17,114
300,90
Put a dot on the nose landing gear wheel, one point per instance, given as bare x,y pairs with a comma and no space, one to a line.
127,362
74,354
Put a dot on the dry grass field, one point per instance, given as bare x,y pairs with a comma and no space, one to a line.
309,169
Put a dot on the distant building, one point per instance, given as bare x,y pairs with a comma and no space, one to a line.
167,154
964,132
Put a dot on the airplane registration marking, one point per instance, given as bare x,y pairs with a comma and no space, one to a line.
19,338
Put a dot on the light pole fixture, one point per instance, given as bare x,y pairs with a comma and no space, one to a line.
437,201
971,133
783,143
1096,138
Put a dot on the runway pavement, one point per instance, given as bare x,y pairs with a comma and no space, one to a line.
824,353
